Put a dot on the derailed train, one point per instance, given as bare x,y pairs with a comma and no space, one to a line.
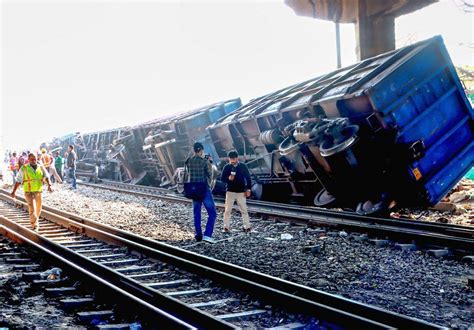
151,153
393,130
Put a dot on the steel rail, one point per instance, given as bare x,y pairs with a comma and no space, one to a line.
196,317
187,314
409,223
276,291
63,258
459,238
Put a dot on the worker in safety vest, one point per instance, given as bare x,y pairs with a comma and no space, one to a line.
47,161
32,176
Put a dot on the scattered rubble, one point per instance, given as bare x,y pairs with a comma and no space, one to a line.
456,208
22,306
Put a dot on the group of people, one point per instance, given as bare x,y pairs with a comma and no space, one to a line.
237,178
32,172
58,167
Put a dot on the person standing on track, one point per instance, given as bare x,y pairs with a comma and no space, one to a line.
31,176
14,166
198,169
59,164
48,164
71,165
237,177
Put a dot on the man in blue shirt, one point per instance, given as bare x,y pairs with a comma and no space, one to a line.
237,177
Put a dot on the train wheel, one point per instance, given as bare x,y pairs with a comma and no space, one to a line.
257,191
324,199
370,208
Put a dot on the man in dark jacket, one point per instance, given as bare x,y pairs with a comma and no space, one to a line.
71,165
237,177
198,170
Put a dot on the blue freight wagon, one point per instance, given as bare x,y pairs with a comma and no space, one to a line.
392,130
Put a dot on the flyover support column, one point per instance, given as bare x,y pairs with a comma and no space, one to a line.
374,34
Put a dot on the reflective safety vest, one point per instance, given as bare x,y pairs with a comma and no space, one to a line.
46,159
32,180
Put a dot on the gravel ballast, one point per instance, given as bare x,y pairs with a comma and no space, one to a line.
409,282
24,305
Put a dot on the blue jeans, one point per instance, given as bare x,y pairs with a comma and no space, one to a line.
72,176
208,202
15,172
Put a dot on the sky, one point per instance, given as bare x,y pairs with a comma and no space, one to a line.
70,66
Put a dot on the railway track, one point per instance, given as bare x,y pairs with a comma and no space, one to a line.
36,286
459,239
183,289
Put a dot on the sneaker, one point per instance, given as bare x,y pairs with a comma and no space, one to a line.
226,230
247,230
198,238
208,239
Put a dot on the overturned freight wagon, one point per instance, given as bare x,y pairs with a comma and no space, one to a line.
97,154
168,142
150,153
393,130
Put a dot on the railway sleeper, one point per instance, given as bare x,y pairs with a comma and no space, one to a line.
107,256
10,254
290,326
88,317
61,291
76,303
213,303
93,250
121,326
26,267
84,245
147,275
242,315
119,262
51,283
187,293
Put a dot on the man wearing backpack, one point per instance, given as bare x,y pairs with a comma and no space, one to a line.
198,170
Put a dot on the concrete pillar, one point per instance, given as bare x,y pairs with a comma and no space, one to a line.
374,34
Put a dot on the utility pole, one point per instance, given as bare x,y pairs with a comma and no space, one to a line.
338,45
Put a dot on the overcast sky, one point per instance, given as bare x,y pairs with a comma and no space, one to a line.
72,66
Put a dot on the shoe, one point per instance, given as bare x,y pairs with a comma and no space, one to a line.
247,230
208,239
226,230
198,238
